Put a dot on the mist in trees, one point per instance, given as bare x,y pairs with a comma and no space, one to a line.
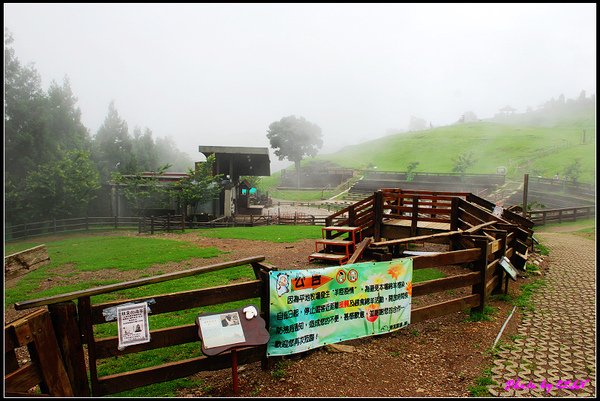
54,167
293,138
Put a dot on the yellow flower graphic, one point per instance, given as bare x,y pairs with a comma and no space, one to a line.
409,288
396,270
377,279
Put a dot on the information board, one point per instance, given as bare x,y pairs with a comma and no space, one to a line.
222,329
315,307
132,323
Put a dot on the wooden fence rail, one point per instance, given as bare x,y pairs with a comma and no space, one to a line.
74,323
88,315
543,216
477,240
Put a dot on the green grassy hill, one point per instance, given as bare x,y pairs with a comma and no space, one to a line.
537,150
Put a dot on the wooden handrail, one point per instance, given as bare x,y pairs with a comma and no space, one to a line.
132,284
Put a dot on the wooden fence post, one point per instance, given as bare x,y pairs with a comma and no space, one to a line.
151,224
64,321
454,213
377,215
87,223
87,330
168,222
351,216
481,265
261,271
415,217
45,350
116,221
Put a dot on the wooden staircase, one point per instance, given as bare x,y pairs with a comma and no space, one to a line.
335,248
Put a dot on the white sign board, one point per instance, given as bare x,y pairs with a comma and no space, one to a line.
510,269
132,321
222,329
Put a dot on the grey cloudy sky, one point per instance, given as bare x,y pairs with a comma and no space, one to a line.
219,74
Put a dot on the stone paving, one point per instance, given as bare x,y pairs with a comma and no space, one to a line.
557,340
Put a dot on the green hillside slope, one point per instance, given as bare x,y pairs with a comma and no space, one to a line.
538,150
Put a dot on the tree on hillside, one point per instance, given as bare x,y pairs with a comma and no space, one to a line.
293,138
468,117
463,162
573,170
417,124
410,170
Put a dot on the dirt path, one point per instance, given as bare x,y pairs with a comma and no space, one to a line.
558,338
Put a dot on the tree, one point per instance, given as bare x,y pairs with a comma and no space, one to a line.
167,152
144,150
293,138
26,140
468,117
141,191
200,186
417,124
112,146
62,188
64,118
573,171
463,162
42,134
410,171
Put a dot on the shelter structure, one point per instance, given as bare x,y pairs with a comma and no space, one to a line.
234,162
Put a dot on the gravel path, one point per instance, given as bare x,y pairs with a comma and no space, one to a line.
557,340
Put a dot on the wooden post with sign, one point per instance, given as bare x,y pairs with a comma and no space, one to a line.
230,330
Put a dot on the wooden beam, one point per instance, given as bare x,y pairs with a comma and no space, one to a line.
443,308
359,250
187,299
135,283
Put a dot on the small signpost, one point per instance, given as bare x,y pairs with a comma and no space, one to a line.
229,330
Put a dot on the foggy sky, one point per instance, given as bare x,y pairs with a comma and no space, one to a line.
219,74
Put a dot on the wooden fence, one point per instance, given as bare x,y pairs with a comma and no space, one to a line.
74,323
36,229
543,216
475,244
161,223
74,328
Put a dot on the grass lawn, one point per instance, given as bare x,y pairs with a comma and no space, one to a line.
265,233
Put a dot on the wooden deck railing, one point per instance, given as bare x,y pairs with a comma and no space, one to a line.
543,216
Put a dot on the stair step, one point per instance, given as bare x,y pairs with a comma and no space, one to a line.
327,256
334,242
